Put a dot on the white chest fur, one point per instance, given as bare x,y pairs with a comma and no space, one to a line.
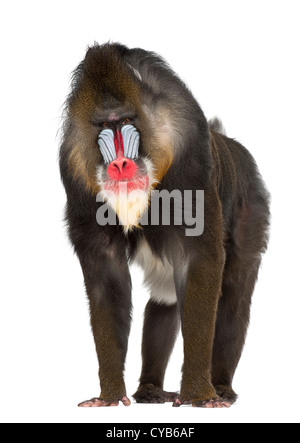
159,275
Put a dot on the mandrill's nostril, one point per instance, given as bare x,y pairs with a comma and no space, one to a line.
121,169
119,165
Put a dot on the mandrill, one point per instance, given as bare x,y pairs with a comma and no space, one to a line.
132,129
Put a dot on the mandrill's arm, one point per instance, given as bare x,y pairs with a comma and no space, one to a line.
199,302
108,286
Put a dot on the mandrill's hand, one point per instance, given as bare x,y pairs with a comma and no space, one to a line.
99,403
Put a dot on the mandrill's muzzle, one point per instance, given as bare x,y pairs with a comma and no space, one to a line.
119,150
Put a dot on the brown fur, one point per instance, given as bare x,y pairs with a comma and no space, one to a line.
214,274
200,309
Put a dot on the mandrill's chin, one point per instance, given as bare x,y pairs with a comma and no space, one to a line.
129,206
128,198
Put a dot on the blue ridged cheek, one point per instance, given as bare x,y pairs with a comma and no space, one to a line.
131,142
107,145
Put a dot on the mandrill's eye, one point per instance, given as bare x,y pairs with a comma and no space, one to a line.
127,121
105,125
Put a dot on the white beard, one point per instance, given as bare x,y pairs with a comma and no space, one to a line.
129,206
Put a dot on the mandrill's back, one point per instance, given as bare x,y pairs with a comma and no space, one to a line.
244,197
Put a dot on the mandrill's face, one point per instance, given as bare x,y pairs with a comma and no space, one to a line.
125,177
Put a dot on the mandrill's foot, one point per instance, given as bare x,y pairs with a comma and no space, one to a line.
100,402
226,393
152,394
212,403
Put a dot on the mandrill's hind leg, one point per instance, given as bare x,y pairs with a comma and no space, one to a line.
232,323
248,241
160,331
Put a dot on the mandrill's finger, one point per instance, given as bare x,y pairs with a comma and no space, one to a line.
114,403
97,403
126,402
100,403
177,403
213,403
93,403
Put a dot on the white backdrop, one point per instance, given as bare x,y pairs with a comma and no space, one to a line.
241,60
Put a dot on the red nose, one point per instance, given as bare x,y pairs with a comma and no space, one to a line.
121,169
